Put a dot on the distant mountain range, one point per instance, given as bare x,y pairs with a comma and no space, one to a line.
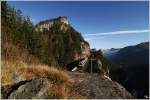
110,52
137,54
133,67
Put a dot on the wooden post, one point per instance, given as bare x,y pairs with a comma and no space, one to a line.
91,66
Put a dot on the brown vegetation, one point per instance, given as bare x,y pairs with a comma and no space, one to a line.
61,82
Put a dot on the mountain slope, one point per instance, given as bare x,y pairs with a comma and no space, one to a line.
108,53
133,68
132,55
30,57
64,42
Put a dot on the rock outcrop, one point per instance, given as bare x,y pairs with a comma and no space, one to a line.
85,51
47,24
95,86
98,63
65,44
37,88
88,86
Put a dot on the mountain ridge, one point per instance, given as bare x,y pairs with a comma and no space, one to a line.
133,66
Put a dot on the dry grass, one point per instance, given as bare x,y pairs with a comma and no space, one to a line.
18,65
54,74
61,82
13,53
8,69
28,72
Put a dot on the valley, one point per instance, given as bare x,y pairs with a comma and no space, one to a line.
133,68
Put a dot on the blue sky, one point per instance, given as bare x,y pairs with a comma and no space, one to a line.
97,17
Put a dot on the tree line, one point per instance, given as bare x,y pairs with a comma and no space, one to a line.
53,47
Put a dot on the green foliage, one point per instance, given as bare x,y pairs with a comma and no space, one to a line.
53,47
63,44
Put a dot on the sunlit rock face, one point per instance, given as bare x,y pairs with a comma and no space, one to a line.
63,26
85,48
67,44
85,51
63,20
47,24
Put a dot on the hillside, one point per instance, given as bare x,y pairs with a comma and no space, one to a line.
133,68
65,43
35,59
137,54
58,44
108,53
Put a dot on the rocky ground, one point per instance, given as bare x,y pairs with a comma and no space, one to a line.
86,86
98,87
26,89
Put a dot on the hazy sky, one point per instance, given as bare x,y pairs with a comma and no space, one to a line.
103,24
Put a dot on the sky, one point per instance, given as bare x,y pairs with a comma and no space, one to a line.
105,25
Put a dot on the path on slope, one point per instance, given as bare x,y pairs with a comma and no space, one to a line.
97,86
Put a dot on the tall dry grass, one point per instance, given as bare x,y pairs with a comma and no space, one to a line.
10,52
17,71
31,71
18,65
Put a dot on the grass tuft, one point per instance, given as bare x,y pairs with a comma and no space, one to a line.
17,71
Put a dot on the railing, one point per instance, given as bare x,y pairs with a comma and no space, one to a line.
81,64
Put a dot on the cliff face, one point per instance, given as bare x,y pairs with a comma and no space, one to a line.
64,42
47,24
85,51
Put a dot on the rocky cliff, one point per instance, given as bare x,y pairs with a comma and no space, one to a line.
64,42
47,24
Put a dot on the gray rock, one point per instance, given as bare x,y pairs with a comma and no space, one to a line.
27,90
96,86
89,86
